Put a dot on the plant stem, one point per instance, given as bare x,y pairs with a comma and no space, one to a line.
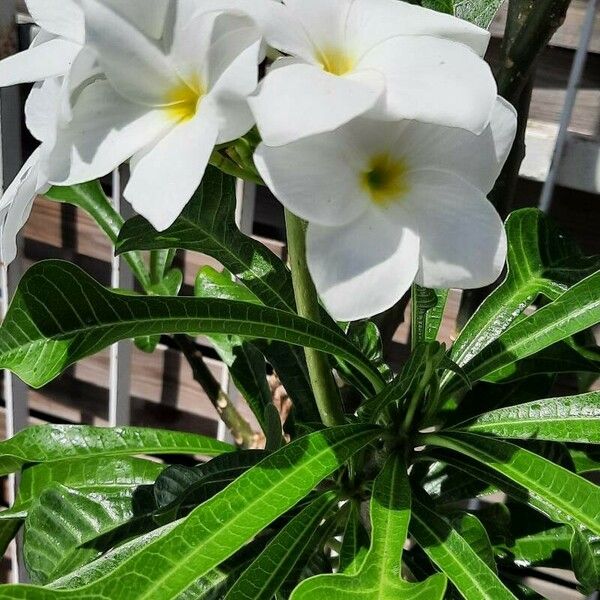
242,433
416,398
326,392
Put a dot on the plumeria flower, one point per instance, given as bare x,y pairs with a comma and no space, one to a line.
62,36
389,58
163,105
41,114
392,203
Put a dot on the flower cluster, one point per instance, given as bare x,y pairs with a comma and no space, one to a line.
380,125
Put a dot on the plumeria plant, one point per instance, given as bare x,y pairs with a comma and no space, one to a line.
382,130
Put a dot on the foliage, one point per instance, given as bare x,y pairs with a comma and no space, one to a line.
391,501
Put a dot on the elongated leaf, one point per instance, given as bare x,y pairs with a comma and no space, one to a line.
355,543
209,587
97,474
169,565
478,12
179,488
207,225
585,551
64,527
60,315
563,496
574,311
586,459
51,443
262,579
427,312
8,529
473,532
547,548
246,366
564,357
541,260
454,556
378,577
569,419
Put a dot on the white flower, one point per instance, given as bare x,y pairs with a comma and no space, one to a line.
392,203
41,114
164,105
347,57
62,36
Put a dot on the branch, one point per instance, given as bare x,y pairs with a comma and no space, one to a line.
240,428
327,394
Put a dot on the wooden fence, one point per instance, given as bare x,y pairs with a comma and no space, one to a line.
123,385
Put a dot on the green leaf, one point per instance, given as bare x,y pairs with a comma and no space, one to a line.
574,311
586,459
379,575
474,533
262,579
60,315
272,430
454,556
427,312
444,6
568,419
355,543
100,474
64,527
541,260
170,564
564,357
51,443
219,527
179,486
207,225
8,530
561,495
550,548
91,198
585,551
478,12
246,366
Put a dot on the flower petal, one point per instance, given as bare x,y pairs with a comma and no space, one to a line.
363,268
105,130
16,204
372,21
463,243
41,109
165,177
323,20
228,98
149,17
49,59
297,101
316,178
60,17
133,63
476,158
435,81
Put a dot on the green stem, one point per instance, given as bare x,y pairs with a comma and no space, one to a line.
160,262
326,392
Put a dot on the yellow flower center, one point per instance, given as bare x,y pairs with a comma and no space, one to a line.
385,179
335,61
183,100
